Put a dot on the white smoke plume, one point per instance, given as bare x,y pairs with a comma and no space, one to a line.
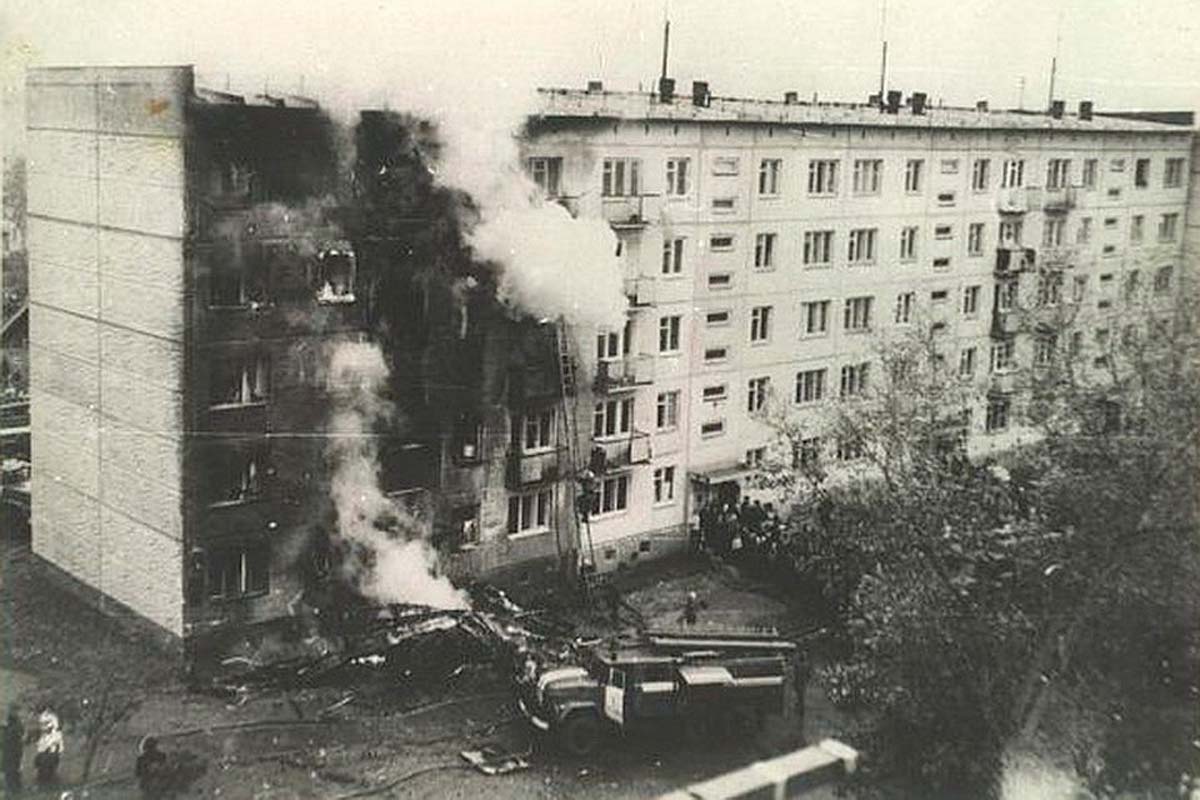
386,553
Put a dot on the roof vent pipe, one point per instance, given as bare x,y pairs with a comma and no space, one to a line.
1056,109
666,90
918,103
595,87
893,101
791,98
981,105
1085,110
701,96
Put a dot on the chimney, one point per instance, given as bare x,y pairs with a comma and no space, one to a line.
700,94
874,100
893,101
918,103
1085,110
791,98
666,90
1056,108
982,106
595,87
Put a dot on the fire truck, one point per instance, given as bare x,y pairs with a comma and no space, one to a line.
705,681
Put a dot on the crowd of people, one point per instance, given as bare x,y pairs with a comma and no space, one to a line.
750,532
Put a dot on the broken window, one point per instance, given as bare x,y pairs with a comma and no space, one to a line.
237,477
239,381
468,438
465,520
238,572
535,431
335,275
546,173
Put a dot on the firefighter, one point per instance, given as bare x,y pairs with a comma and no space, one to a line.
150,768
691,608
49,749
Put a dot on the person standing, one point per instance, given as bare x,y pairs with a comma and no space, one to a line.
49,749
150,768
14,750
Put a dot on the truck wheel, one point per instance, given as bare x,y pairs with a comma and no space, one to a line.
580,735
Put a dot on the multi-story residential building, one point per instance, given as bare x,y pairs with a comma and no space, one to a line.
769,246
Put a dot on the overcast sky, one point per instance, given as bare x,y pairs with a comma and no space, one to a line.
1121,53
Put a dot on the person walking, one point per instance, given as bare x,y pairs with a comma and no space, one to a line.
14,750
49,749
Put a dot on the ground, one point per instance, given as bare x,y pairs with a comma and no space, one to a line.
350,740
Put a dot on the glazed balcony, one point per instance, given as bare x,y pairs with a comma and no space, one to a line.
624,450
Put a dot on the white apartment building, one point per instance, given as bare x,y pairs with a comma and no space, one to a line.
768,246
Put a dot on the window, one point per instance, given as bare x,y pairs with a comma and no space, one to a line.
1010,232
612,418
239,381
760,323
714,428
1084,234
529,512
1052,233
1132,285
857,313
1137,228
235,572
981,174
815,317
1076,343
1006,295
755,457
236,476
810,386
975,239
1089,173
912,175
547,174
1058,173
612,495
942,262
1117,165
1002,356
719,353
667,411
862,246
757,390
849,448
808,453
868,174
714,394
1141,173
720,280
854,380
1013,175
1110,222
716,319
904,307
668,334
664,485
612,344
620,178
966,362
1049,289
468,439
822,177
818,247
536,431
1045,346
970,303
720,242
997,415
1109,250
1162,280
672,256
764,250
724,205
945,198
943,232
1078,288
768,176
335,276
726,165
678,176
949,166
908,243
939,295
1168,227
1173,173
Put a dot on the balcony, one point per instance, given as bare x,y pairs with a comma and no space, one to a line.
1059,200
1059,256
623,374
623,451
1011,259
626,213
527,469
641,291
1013,201
1005,323
1004,382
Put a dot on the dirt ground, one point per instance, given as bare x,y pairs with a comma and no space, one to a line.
371,739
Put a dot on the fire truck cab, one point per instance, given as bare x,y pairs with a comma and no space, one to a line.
702,681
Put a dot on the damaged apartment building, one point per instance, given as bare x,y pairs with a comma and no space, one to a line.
194,254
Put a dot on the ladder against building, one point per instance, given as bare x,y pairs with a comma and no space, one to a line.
569,464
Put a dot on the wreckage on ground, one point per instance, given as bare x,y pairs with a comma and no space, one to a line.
708,682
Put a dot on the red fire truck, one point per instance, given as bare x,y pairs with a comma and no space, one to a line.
702,680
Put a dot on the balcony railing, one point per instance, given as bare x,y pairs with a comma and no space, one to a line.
1059,255
1059,200
1013,201
626,213
527,469
624,373
631,448
1011,259
1004,382
1005,323
641,291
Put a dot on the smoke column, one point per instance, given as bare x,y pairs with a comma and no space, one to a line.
387,556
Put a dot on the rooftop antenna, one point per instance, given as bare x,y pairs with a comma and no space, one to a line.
666,45
883,60
1054,59
1021,93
